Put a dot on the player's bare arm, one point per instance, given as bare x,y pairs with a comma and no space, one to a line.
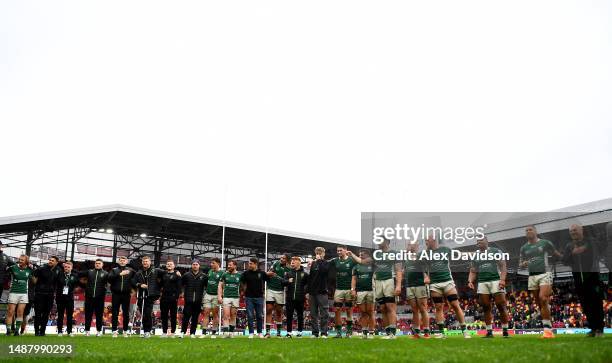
399,274
220,292
503,272
472,278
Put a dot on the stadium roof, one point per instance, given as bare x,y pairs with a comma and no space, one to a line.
585,214
595,217
142,230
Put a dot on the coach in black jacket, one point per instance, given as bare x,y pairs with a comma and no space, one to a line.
147,281
120,279
194,283
582,255
296,281
170,291
45,279
95,292
67,280
317,290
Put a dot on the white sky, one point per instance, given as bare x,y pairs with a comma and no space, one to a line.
304,113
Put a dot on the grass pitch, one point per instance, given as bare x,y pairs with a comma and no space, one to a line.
528,349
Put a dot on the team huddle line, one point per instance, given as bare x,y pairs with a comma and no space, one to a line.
362,280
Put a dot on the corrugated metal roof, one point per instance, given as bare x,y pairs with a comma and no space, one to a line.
166,215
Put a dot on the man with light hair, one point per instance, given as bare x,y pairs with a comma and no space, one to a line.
20,275
534,255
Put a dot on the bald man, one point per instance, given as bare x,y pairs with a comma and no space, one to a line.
581,255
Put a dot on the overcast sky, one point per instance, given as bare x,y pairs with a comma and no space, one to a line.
300,115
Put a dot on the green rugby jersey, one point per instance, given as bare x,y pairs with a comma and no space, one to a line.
20,278
487,269
439,270
537,255
231,284
385,269
413,273
364,275
213,281
276,283
344,269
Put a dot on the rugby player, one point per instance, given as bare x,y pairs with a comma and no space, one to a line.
210,303
534,255
387,286
275,294
20,274
343,299
416,292
491,285
229,295
363,294
27,312
441,285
